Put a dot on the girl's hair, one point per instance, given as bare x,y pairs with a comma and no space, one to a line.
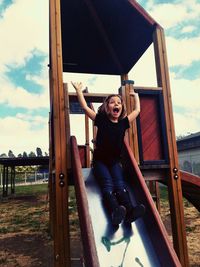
103,107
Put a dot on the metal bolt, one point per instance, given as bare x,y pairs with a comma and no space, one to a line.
176,176
61,183
57,257
61,175
175,170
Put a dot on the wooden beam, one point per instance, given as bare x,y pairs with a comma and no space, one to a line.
68,131
132,131
99,98
174,181
87,141
90,97
61,228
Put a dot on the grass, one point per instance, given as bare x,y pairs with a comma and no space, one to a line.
25,211
34,189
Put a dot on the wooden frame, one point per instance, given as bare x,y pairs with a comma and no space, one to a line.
174,180
59,160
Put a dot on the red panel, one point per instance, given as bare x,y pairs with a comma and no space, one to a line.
150,129
82,153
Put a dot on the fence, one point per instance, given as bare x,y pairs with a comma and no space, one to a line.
22,178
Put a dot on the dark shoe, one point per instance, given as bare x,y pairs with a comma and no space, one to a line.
116,211
118,215
134,213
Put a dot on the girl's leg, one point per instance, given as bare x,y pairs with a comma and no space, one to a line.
132,213
104,178
117,176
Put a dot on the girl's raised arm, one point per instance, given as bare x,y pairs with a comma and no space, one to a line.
132,116
78,87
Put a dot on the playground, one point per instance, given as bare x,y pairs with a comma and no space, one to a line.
149,156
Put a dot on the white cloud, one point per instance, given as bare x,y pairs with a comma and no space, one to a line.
183,128
144,73
19,136
182,51
19,97
23,27
169,15
185,98
95,83
188,29
185,93
35,120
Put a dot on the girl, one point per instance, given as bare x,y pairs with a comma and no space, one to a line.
112,123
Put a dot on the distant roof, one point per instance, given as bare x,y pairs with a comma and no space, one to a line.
29,161
189,142
104,37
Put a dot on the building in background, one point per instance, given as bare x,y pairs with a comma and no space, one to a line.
189,153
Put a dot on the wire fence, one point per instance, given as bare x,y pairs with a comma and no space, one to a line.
23,178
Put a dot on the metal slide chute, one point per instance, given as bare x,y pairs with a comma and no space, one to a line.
144,243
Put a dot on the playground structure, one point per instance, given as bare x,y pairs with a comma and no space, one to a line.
84,38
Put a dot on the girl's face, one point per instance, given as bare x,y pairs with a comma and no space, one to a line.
114,108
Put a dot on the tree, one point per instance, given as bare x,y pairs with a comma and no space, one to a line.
10,154
25,155
19,155
3,155
32,154
39,152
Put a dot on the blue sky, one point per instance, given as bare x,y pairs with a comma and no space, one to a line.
24,93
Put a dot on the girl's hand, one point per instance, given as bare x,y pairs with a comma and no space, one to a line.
133,93
78,86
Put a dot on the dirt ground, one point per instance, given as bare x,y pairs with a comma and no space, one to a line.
25,240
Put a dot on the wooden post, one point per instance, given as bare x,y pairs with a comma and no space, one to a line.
4,181
51,184
12,180
174,181
87,141
67,112
129,101
61,227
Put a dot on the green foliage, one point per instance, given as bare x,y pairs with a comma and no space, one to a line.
39,152
32,154
3,155
11,154
25,155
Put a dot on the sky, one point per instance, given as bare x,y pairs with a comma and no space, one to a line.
24,82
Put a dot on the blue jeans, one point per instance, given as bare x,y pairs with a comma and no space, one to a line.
110,177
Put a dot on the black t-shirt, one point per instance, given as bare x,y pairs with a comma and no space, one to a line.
110,138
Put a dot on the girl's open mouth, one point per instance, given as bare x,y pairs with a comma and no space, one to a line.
115,110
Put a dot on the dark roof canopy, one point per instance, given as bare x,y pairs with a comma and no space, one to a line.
29,161
104,36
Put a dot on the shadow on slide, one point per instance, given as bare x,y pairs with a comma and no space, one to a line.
191,188
143,243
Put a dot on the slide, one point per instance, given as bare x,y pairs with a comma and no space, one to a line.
143,243
191,188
